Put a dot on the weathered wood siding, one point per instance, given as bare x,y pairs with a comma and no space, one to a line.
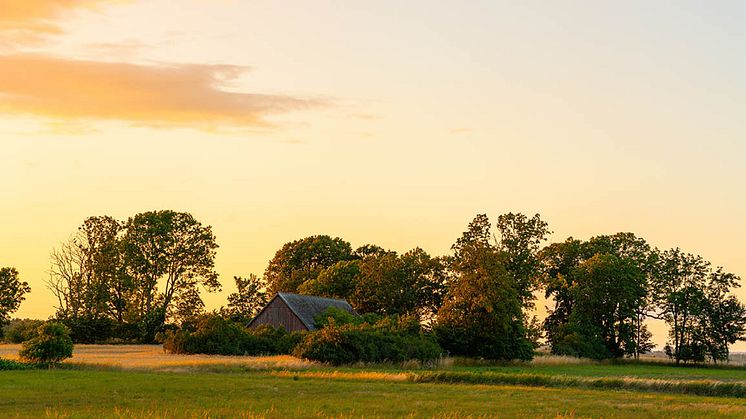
278,314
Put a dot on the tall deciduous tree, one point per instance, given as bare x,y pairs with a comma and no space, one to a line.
520,239
482,313
12,291
678,290
608,291
174,250
723,322
561,263
87,275
303,260
385,283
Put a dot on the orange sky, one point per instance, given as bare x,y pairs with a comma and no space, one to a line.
378,122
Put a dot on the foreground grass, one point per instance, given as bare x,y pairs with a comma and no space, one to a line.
660,371
90,393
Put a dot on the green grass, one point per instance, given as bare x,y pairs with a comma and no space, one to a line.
640,370
92,393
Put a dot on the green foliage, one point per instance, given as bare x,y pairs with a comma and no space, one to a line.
10,365
695,301
381,342
12,292
52,344
173,247
337,316
303,260
248,300
336,281
482,313
124,280
87,329
384,282
87,275
213,334
519,240
608,291
21,330
600,292
407,284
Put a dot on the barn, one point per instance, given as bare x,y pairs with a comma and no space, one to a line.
295,312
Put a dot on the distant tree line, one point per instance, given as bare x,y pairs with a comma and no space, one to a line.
133,279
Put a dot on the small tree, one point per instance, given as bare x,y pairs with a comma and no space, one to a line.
53,344
11,293
249,299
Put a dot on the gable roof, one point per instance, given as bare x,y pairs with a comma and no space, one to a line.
307,307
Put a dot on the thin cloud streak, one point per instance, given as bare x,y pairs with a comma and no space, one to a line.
174,95
29,21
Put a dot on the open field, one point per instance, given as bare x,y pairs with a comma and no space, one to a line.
79,393
141,380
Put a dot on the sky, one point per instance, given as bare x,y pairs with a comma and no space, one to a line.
382,122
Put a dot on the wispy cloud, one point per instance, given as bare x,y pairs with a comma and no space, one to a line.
26,21
184,95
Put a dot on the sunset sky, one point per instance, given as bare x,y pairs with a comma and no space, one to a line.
382,122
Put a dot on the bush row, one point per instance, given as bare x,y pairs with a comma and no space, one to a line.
215,335
342,339
365,343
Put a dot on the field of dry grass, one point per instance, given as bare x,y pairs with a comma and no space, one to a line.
153,358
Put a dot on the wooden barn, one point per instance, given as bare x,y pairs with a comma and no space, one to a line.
295,312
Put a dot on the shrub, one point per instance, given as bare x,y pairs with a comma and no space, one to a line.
21,330
53,344
219,336
351,343
89,329
10,365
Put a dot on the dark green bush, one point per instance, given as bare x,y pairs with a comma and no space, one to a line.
90,329
351,343
52,344
219,336
21,330
10,365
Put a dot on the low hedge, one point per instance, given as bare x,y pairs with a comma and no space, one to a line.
215,335
351,343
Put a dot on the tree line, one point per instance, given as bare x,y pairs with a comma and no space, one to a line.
132,279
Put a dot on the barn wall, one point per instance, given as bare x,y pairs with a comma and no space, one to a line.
278,314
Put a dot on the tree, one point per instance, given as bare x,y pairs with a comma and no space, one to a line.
251,296
51,344
482,312
12,292
303,260
337,281
607,291
722,318
408,284
678,292
174,249
520,238
384,283
87,274
560,263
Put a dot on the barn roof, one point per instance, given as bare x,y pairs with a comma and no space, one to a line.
307,307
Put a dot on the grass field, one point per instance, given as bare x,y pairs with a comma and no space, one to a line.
142,381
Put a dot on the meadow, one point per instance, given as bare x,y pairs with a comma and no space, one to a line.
141,380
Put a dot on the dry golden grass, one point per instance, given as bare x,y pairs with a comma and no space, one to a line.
153,358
